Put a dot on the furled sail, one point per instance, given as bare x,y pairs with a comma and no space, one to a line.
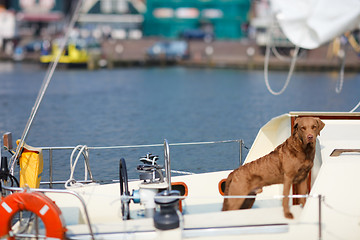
311,23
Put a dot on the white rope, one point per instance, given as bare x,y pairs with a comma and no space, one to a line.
180,172
82,150
339,86
356,107
291,71
266,65
285,58
342,76
278,55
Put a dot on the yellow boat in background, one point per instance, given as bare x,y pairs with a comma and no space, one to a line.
76,53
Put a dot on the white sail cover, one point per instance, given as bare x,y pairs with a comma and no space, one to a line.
311,23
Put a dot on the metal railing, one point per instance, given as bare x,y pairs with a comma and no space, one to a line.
51,181
167,163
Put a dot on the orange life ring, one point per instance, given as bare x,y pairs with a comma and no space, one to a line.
34,202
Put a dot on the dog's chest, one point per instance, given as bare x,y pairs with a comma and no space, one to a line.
303,171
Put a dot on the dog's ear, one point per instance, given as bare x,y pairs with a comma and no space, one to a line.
320,124
296,122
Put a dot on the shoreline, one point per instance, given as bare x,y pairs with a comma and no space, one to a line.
218,54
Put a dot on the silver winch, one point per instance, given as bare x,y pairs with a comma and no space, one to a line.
153,182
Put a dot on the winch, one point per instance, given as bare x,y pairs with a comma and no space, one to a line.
153,182
150,171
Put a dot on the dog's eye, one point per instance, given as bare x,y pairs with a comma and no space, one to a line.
313,127
303,128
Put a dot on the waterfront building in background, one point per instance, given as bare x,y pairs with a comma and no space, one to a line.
39,18
125,19
223,19
116,19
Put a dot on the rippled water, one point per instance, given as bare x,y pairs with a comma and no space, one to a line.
146,105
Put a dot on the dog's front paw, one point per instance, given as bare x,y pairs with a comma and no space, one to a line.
289,215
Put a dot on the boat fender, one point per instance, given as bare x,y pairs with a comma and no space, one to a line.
167,218
34,202
31,166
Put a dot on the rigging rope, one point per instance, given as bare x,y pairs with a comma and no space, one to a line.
44,86
266,64
283,58
351,39
83,150
291,70
340,83
339,86
356,107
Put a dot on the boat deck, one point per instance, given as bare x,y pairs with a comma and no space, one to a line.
331,212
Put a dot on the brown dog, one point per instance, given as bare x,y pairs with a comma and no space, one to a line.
290,163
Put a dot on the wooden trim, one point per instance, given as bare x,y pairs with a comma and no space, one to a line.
327,116
337,152
295,187
299,113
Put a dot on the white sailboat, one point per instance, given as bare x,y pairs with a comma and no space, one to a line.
158,206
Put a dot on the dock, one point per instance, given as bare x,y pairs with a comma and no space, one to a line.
242,54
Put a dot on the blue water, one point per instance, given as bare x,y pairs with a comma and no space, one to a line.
146,105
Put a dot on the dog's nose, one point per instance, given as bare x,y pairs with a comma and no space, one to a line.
310,137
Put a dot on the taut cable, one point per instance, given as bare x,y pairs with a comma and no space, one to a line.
44,86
